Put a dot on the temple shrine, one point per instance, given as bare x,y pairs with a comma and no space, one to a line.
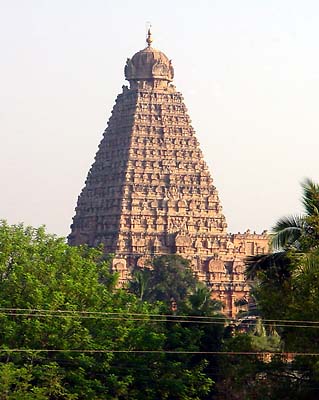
149,191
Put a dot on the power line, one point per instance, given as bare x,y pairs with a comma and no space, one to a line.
152,318
223,318
229,353
111,318
110,313
128,319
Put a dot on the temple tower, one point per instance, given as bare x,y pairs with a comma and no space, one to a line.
149,190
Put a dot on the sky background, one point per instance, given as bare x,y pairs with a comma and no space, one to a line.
248,70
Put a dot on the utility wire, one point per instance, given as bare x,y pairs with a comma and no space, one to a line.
111,318
229,353
122,313
150,318
128,319
110,313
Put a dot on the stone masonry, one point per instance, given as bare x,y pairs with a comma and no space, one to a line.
149,191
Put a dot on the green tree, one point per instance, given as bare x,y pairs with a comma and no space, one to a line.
196,323
293,307
290,236
300,232
167,278
66,332
285,286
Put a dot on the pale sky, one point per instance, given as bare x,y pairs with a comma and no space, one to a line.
248,70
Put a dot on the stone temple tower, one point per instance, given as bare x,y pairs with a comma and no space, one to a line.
149,191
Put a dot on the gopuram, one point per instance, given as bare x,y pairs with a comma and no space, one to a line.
149,191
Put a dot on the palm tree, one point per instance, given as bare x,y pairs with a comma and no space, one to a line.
300,232
291,235
140,283
202,303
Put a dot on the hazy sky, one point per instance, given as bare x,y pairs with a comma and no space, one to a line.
248,70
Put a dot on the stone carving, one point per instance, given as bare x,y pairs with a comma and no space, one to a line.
149,191
160,70
121,244
183,241
120,266
143,262
216,266
157,245
198,243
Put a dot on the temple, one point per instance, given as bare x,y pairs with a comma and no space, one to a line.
149,190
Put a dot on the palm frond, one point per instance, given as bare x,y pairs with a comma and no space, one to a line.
296,221
263,263
307,267
287,231
310,197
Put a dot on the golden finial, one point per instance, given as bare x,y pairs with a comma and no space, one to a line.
149,38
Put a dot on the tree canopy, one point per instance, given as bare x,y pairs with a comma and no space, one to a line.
67,333
166,278
300,232
285,288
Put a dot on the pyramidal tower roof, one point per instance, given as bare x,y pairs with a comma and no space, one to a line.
149,190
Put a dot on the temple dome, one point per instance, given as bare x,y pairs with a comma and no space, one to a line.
149,64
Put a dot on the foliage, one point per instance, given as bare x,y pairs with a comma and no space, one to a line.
198,324
167,278
56,297
286,290
294,303
291,237
300,232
